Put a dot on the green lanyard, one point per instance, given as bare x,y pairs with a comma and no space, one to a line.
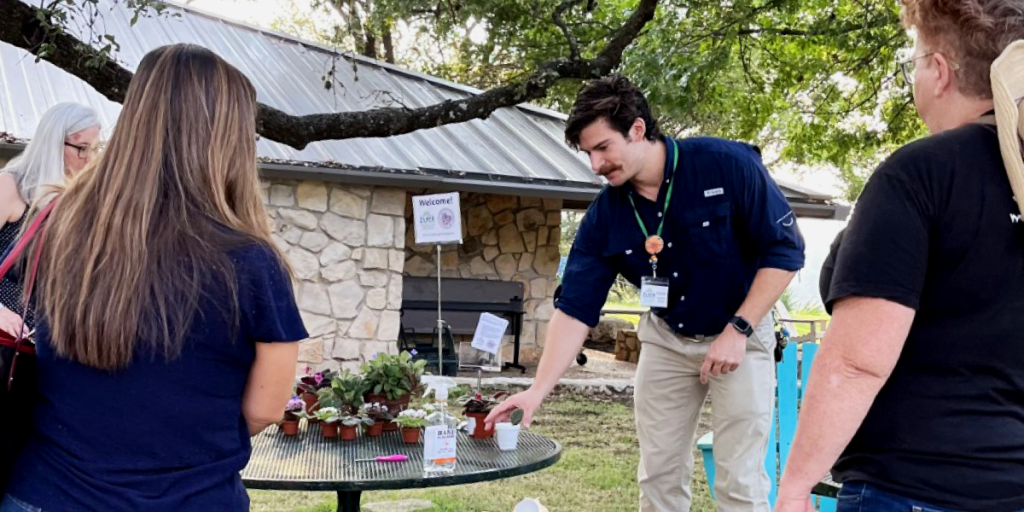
668,197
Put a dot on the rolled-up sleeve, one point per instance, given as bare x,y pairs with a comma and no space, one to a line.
588,275
769,220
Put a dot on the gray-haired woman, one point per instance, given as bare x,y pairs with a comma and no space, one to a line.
66,139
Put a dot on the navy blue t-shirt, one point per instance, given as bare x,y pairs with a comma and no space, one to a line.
726,220
159,435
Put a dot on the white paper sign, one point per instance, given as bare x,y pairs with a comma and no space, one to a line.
439,444
437,218
489,332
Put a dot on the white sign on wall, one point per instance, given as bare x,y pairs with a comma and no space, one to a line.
437,218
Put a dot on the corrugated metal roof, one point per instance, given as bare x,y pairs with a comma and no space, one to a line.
522,142
518,149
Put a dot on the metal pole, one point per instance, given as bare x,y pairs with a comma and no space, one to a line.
440,323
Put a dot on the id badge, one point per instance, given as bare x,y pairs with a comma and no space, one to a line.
654,292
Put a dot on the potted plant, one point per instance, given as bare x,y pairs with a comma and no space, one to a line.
350,425
326,397
478,406
309,386
349,389
292,410
379,417
411,421
391,380
328,417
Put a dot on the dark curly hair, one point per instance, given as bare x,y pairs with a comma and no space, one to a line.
613,98
972,33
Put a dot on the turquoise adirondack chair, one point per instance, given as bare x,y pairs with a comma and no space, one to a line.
791,374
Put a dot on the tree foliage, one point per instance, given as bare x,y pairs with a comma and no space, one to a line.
811,81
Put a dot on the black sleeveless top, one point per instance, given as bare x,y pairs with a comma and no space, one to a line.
10,290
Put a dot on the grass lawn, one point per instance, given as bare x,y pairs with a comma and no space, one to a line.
633,319
597,472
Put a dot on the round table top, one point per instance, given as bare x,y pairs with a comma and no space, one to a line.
311,462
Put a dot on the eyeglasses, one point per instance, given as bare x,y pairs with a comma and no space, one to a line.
84,151
909,66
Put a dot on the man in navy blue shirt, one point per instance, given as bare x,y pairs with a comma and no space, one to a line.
699,226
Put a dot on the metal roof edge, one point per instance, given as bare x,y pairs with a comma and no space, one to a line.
463,182
578,195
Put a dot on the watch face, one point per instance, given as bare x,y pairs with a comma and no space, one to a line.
742,324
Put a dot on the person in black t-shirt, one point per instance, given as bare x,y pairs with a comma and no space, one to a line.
916,401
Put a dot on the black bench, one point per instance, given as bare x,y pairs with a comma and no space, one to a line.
462,301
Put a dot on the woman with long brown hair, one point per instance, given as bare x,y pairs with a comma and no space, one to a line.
161,303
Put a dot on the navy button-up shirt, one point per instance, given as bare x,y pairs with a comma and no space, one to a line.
727,219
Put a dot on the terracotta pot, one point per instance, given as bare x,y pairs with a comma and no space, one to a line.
290,427
480,428
394,407
376,429
310,400
329,430
349,433
411,435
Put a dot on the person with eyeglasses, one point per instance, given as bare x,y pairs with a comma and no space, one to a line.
66,139
916,399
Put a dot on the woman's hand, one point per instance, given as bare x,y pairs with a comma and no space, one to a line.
10,322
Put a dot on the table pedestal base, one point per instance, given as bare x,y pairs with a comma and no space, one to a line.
348,501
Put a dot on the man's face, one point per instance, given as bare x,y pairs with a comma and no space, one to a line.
617,158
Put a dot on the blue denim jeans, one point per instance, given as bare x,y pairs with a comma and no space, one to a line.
12,504
861,497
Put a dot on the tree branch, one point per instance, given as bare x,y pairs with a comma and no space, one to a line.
19,26
556,17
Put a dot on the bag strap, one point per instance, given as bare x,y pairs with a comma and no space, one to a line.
30,233
39,222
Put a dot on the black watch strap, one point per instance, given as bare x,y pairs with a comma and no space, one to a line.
742,325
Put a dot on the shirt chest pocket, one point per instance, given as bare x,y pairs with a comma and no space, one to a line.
709,232
629,257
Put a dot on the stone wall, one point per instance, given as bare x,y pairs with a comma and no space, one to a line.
627,346
506,238
345,245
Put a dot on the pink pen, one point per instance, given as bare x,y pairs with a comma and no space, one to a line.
386,458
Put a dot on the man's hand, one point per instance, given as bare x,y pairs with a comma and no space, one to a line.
795,504
528,401
10,322
725,355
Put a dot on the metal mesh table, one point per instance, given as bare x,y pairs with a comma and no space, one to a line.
310,462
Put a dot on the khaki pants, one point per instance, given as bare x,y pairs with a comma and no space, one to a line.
669,399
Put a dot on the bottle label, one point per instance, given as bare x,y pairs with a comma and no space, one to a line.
439,444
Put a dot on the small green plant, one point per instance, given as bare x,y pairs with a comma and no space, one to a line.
313,382
412,418
327,398
378,413
349,388
354,420
327,414
393,376
294,409
480,403
516,417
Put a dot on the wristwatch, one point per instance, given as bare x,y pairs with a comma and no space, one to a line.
742,325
